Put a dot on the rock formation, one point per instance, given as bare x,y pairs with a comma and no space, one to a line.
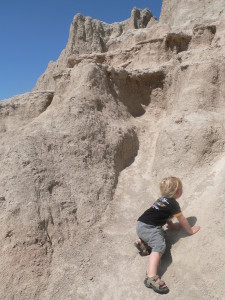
87,36
182,13
82,154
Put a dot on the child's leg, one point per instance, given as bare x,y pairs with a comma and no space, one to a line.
153,263
142,247
154,238
142,243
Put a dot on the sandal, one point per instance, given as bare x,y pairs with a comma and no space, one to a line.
143,249
150,282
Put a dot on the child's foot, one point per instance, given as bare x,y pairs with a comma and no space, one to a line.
143,249
156,284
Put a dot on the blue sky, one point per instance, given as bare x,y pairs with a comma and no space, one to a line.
33,32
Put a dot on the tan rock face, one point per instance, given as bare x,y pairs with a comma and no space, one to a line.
179,13
82,155
88,36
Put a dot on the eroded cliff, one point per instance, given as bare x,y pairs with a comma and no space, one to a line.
81,157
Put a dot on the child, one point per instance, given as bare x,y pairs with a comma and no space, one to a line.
150,231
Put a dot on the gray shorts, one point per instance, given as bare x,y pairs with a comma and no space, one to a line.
153,236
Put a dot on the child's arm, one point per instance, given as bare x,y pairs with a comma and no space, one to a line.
173,226
184,223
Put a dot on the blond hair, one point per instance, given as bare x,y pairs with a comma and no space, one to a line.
169,186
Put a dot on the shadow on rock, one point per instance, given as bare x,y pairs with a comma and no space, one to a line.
172,237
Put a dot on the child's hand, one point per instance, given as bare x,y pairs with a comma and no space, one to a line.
195,229
184,223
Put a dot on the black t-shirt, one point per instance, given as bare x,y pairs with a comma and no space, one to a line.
159,213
